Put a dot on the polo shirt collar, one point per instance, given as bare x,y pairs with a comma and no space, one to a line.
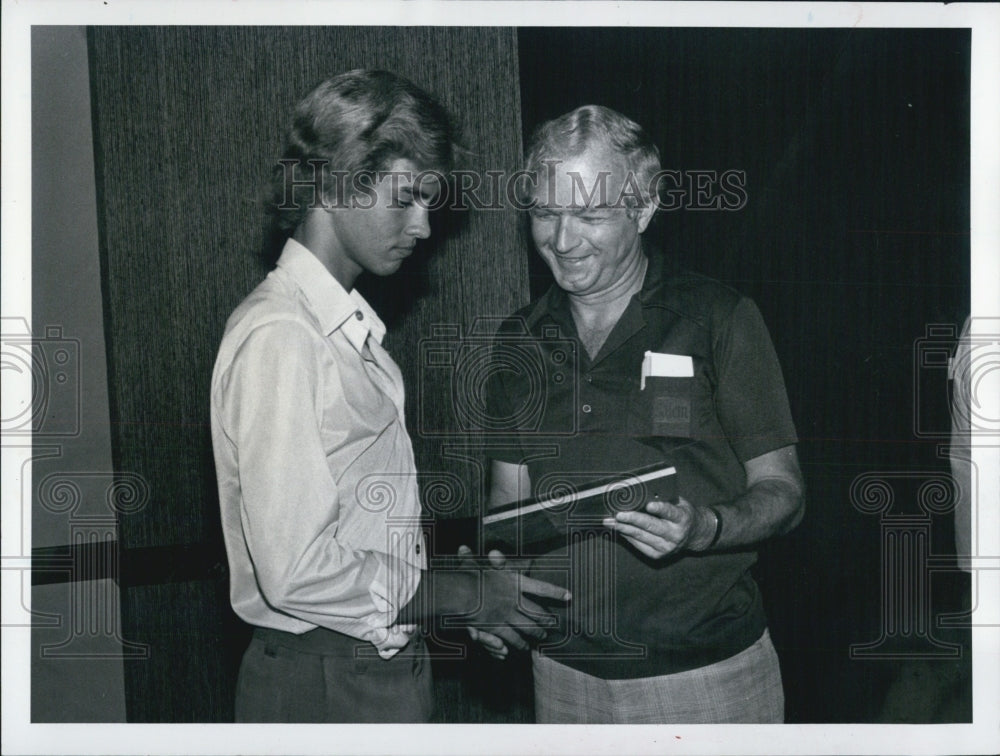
555,302
333,306
660,268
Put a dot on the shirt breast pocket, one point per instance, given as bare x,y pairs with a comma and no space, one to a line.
663,408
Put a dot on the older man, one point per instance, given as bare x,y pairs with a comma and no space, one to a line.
666,623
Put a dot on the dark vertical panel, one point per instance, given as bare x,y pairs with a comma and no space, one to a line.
187,124
854,240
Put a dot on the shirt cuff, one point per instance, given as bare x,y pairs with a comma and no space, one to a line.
389,640
394,585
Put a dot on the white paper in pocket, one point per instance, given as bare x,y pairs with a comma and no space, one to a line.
663,365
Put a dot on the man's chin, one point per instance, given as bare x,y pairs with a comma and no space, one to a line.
388,269
579,284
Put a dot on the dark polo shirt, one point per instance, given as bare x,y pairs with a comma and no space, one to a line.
580,420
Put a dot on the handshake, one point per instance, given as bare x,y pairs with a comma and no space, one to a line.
492,599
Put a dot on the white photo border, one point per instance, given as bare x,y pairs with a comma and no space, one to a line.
20,736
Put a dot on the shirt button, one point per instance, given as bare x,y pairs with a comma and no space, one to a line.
586,408
590,378
359,315
418,548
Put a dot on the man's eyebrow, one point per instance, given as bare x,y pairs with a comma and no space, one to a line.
599,208
425,188
572,209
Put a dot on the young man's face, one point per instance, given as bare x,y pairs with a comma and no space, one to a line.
380,225
587,241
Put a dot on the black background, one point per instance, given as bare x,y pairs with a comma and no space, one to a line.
853,241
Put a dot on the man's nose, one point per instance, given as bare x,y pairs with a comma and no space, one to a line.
419,225
566,237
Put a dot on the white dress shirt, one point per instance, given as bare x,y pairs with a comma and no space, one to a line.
317,483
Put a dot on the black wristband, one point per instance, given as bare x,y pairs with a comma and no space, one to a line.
718,528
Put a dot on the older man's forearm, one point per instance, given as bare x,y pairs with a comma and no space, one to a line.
770,507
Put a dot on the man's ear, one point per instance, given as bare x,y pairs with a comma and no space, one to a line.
644,216
331,199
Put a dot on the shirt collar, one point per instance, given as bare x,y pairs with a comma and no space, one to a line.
333,306
555,302
661,268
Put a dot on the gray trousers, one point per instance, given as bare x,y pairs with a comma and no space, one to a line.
325,676
743,688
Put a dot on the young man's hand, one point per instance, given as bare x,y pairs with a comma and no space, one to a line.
505,616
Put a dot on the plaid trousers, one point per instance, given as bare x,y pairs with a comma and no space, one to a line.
745,688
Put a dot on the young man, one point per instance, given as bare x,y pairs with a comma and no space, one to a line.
666,624
317,485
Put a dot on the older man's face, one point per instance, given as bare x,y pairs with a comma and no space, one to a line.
587,241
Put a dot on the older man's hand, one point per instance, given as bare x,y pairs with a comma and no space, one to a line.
665,527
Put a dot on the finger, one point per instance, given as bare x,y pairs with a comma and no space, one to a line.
661,511
545,590
664,543
511,637
639,526
648,522
665,510
499,652
678,515
499,560
491,642
466,557
636,523
537,614
529,608
529,619
512,621
660,544
527,626
646,549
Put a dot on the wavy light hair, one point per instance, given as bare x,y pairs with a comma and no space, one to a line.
590,126
358,121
